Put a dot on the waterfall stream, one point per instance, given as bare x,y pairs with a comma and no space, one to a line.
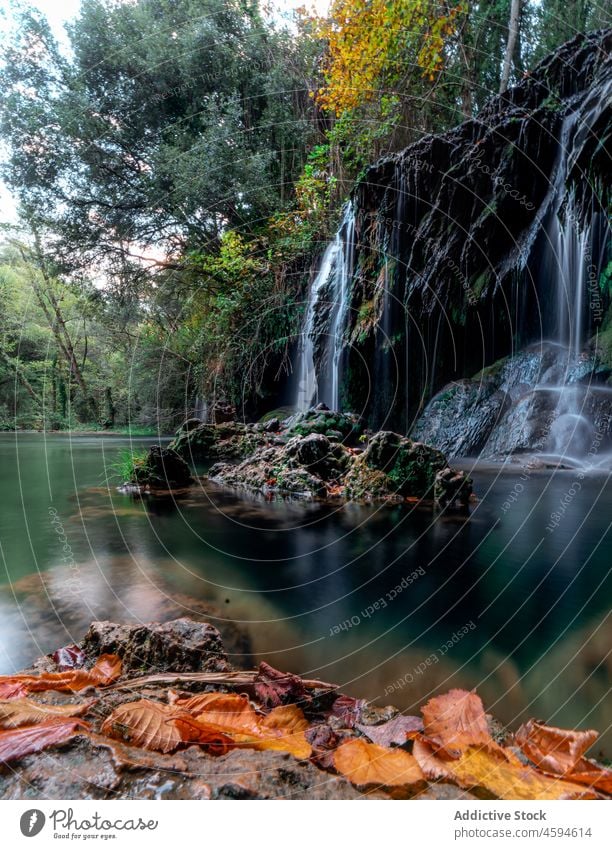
321,341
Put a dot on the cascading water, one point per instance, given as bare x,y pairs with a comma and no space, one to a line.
550,398
322,338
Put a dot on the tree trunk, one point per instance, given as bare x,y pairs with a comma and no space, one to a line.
513,26
13,364
51,308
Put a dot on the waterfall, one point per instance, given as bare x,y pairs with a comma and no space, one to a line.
319,358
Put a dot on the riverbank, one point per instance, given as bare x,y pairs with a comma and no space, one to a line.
171,718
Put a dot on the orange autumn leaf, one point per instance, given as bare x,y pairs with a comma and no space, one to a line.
282,729
151,725
17,712
498,770
456,720
561,752
366,763
595,777
106,670
554,749
19,742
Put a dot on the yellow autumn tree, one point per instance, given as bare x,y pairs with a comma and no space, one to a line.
374,44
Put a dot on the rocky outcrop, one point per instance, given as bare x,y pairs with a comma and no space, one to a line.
204,442
314,466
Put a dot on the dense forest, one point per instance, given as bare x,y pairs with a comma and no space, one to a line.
178,165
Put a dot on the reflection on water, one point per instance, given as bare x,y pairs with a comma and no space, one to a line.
384,600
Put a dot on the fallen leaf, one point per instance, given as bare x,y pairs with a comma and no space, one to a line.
10,689
396,731
324,741
18,742
595,777
498,770
151,725
456,720
282,729
106,670
366,763
274,688
348,710
69,657
17,712
554,749
559,751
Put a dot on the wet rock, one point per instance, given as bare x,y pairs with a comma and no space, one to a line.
163,468
271,426
345,426
393,465
189,424
313,466
452,489
543,399
182,645
226,441
460,418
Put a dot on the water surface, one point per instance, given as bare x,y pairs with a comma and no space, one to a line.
388,601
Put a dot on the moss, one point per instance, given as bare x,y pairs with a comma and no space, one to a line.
479,283
491,371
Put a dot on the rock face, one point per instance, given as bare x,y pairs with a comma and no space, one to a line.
452,268
315,466
522,404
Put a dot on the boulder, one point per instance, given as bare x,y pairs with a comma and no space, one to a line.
182,645
163,468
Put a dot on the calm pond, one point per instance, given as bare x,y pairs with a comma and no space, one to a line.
387,601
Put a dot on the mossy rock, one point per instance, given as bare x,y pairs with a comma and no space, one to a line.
332,424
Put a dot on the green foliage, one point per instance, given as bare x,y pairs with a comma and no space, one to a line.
127,465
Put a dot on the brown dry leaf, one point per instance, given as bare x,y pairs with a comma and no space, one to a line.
17,712
366,763
498,770
282,729
561,752
18,742
152,725
273,688
456,720
554,749
106,670
395,731
594,776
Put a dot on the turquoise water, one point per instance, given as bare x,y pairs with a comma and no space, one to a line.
388,601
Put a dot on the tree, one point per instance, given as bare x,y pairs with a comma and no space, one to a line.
513,28
170,122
